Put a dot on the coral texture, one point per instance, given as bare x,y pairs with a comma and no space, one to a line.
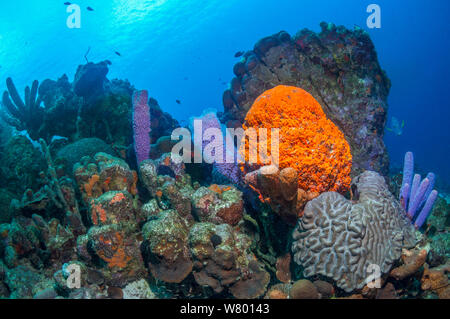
339,67
222,259
339,239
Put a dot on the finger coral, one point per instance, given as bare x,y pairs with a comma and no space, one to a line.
308,141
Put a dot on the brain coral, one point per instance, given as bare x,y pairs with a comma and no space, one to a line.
339,238
309,142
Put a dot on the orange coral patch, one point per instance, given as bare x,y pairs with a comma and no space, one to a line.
97,211
117,198
90,184
119,258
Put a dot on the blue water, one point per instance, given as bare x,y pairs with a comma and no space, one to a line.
185,50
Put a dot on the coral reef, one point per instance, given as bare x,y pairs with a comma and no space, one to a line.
140,224
339,239
21,164
218,204
166,248
339,67
222,258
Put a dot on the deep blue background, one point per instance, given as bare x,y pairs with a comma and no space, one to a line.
184,50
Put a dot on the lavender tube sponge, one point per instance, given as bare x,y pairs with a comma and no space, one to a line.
141,125
426,209
413,188
431,177
222,171
404,195
416,198
408,169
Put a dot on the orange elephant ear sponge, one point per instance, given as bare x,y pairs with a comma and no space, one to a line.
308,141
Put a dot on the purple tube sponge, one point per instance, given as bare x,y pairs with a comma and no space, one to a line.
431,177
222,172
426,209
404,194
408,171
414,187
408,168
417,197
141,125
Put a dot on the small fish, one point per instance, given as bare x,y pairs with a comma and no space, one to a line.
178,101
89,9
396,127
238,54
117,53
67,3
186,78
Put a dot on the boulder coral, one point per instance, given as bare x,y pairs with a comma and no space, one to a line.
222,258
165,247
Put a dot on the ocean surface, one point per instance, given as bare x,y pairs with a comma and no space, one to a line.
184,50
